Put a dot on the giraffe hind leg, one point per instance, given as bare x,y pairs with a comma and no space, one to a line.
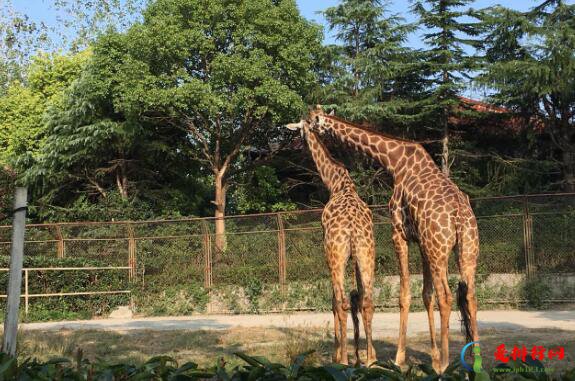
466,299
340,304
401,250
366,272
429,302
444,298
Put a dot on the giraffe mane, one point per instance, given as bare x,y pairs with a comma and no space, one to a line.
369,129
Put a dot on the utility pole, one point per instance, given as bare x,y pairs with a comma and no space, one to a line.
15,280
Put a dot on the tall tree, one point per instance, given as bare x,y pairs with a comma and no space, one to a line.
531,68
20,37
451,32
207,79
370,62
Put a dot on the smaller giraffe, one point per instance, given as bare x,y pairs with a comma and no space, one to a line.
348,230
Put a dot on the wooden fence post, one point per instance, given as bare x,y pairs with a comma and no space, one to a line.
207,246
282,265
528,238
15,276
131,253
207,249
61,243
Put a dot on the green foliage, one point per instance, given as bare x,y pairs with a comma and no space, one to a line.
22,128
537,292
371,77
261,192
531,67
190,87
254,368
173,301
253,288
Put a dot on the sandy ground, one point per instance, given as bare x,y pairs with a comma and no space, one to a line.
384,324
205,339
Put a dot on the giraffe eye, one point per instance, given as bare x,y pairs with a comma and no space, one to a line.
317,119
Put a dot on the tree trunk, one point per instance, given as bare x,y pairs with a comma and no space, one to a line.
220,203
122,183
445,148
569,170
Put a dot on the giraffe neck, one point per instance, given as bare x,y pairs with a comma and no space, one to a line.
333,174
395,155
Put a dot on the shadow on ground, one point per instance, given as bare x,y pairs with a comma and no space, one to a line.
278,344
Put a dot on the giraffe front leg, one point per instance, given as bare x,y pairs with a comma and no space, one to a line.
401,250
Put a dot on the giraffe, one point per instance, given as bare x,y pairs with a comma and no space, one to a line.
427,208
348,230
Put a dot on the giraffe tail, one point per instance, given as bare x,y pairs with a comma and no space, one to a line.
464,311
462,288
354,300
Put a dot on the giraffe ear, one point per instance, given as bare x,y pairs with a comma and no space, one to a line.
318,107
332,113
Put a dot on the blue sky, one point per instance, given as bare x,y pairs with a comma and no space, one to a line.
40,10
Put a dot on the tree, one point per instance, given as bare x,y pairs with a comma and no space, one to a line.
80,22
201,79
531,68
20,37
447,63
22,107
95,153
371,64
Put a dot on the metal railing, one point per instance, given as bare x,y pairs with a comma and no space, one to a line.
528,234
27,295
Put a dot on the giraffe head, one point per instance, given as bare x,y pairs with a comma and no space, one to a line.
302,126
315,121
318,119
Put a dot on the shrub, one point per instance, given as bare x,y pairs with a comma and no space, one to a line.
537,292
70,307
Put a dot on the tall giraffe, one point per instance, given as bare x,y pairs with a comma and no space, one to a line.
348,230
427,208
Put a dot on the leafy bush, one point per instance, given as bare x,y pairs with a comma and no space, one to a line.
175,300
537,292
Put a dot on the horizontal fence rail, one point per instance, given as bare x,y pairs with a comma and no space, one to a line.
27,295
522,237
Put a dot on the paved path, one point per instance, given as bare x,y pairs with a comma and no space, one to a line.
385,324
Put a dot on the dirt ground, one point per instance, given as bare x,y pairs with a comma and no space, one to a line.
278,344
